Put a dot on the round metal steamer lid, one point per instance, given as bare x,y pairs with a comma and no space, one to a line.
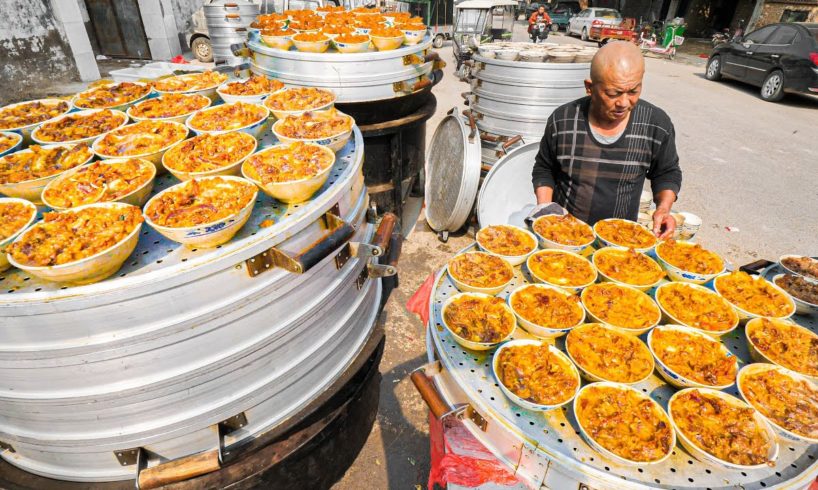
452,173
507,195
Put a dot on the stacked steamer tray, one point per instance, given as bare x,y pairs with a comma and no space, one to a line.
227,23
189,352
546,447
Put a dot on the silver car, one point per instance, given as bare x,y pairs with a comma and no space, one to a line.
580,24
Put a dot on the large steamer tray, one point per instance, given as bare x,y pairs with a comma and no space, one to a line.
545,450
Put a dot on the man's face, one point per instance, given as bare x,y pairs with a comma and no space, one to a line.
541,10
615,94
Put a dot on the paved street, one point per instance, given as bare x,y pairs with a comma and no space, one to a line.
748,164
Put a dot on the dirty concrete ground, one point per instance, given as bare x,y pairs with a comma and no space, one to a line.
748,164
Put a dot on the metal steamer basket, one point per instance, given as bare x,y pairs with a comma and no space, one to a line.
545,450
190,350
227,24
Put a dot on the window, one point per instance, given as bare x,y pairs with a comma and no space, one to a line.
782,36
794,15
607,13
758,36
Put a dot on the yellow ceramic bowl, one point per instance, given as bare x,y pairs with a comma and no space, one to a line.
232,169
179,119
387,43
361,47
120,107
26,130
293,191
153,157
136,197
333,142
311,46
35,136
278,42
4,261
31,190
413,37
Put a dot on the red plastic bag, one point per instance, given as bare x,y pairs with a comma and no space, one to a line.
179,59
419,302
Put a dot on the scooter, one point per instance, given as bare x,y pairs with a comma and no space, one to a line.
539,31
725,37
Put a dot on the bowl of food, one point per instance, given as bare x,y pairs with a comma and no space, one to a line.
330,128
783,343
412,33
535,375
352,43
129,181
509,242
479,272
603,353
236,116
168,107
487,50
478,321
689,262
117,96
627,267
23,117
311,42
252,90
278,38
720,429
269,21
623,424
79,246
16,215
546,311
799,265
754,296
25,173
622,233
10,142
788,401
696,307
200,83
298,100
332,31
209,154
507,54
802,291
563,232
147,140
290,173
79,127
623,307
387,38
688,358
204,212
306,25
562,269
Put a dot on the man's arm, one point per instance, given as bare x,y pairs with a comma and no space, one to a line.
545,163
665,176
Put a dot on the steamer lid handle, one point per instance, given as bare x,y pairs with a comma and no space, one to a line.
428,391
178,470
383,235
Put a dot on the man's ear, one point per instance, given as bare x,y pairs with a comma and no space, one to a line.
588,85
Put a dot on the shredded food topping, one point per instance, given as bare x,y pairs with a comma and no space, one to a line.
546,307
7,141
786,344
805,266
61,238
311,37
352,38
383,31
628,266
337,29
561,268
268,20
725,430
314,125
169,105
111,95
621,306
690,257
190,82
37,162
276,32
13,217
480,270
479,318
411,27
255,85
609,354
565,230
299,99
227,117
208,152
282,163
141,138
696,307
101,181
625,233
74,127
755,295
695,357
200,201
791,403
536,374
628,424
505,240
307,24
798,287
28,113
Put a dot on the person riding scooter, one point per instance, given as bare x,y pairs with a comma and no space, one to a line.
538,24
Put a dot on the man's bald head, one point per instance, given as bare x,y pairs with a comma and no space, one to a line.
616,82
618,58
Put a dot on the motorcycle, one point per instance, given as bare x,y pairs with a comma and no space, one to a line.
539,31
725,37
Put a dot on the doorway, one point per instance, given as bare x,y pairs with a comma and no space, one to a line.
118,28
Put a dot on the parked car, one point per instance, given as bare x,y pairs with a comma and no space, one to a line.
561,14
580,24
779,58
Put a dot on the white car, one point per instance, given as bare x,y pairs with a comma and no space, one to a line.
580,24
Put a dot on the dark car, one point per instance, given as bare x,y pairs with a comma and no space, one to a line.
778,58
561,13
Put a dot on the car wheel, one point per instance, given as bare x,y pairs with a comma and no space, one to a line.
437,42
555,28
584,35
713,70
772,90
202,50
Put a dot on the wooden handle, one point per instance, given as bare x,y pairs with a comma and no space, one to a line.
512,141
395,247
429,393
472,122
232,16
179,469
231,6
491,138
421,84
384,232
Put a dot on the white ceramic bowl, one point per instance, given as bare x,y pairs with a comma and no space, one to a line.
594,377
90,269
571,289
153,157
31,190
206,235
516,399
311,46
4,262
478,346
36,137
209,92
278,42
255,129
746,315
759,356
361,47
608,454
761,368
541,330
293,191
673,320
790,271
179,119
801,306
671,376
334,142
703,455
465,288
136,197
413,37
387,43
249,99
681,275
119,107
512,259
506,54
16,146
606,243
546,243
630,331
232,169
279,114
25,131
606,278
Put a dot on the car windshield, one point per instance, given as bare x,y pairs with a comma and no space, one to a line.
607,13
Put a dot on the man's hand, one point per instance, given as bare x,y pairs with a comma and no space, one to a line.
663,224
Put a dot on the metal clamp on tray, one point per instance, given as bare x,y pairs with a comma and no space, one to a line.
422,379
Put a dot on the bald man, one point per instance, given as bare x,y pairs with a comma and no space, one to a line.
597,151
